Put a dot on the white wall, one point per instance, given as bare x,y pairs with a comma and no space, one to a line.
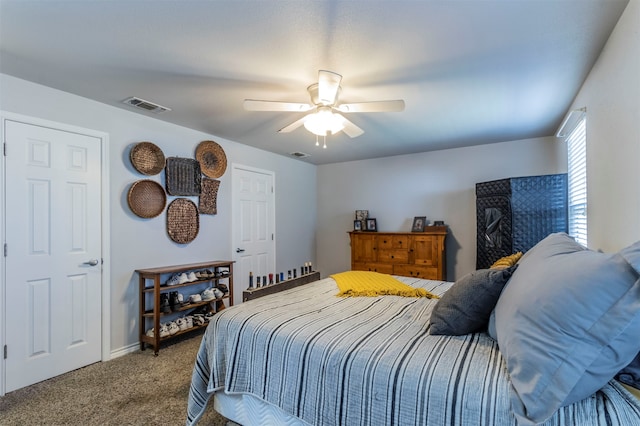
611,94
439,184
142,243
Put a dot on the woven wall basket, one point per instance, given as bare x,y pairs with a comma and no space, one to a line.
147,158
212,158
146,198
208,198
183,176
183,221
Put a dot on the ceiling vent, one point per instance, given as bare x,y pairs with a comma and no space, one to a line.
146,105
299,154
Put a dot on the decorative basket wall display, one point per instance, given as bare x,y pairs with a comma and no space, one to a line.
146,198
208,198
147,158
212,158
183,222
183,176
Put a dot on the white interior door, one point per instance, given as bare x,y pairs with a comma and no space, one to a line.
253,227
53,259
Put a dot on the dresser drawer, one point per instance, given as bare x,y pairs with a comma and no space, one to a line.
393,256
425,272
374,267
388,242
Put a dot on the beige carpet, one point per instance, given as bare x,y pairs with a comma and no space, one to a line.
136,389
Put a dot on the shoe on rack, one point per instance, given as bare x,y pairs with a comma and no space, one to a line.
223,288
205,274
208,294
189,321
218,293
191,277
173,328
198,319
195,298
208,316
174,301
175,279
182,324
150,332
164,331
165,307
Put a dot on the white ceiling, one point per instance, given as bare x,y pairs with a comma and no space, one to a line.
470,72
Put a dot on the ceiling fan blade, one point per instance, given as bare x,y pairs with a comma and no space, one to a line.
291,127
256,105
375,106
350,129
328,85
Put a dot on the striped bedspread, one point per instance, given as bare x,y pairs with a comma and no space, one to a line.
368,361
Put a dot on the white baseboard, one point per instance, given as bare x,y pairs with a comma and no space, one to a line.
125,350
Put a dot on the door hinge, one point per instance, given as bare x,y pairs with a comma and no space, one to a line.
4,149
5,249
5,351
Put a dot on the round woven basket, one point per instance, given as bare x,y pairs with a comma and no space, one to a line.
147,158
183,221
212,159
146,198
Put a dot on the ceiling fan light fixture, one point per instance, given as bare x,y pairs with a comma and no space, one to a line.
323,121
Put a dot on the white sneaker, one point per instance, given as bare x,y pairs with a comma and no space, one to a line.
175,279
189,320
217,293
183,278
182,324
173,328
195,298
208,294
164,330
191,277
150,332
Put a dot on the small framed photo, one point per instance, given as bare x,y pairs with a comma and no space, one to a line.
372,225
357,225
418,224
362,214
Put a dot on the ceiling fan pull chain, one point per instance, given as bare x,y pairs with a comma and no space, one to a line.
325,141
317,141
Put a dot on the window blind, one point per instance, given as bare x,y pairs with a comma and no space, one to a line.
577,175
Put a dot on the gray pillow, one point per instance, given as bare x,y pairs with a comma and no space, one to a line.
466,306
566,323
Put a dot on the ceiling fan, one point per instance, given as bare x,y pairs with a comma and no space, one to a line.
326,117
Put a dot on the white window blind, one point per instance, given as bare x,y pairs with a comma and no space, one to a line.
577,173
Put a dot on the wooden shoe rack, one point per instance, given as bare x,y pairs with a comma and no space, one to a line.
152,284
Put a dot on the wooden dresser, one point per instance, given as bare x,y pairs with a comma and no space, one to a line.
411,254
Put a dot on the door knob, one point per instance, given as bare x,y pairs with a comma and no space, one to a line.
92,262
239,250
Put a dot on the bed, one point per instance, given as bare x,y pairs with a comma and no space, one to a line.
307,357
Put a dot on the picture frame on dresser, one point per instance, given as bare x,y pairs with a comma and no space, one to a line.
418,224
362,214
357,225
372,225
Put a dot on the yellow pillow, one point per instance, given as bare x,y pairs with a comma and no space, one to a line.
506,261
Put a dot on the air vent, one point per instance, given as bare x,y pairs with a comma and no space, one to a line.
146,105
300,154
